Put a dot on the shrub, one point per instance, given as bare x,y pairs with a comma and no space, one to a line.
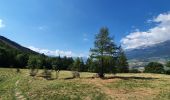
134,71
168,64
33,72
95,76
167,72
76,74
47,74
154,67
18,70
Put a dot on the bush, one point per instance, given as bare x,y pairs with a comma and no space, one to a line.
134,71
47,74
154,67
95,76
168,64
167,72
33,72
76,74
18,70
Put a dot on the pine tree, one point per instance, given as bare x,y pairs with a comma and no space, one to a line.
103,46
122,64
78,65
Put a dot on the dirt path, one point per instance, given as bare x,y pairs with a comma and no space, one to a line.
18,93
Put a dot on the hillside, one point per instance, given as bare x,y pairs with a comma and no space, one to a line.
12,54
8,44
159,52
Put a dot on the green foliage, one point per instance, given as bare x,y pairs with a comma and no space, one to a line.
48,63
134,71
92,65
34,62
7,56
59,63
122,64
12,54
21,60
108,55
104,47
78,65
167,72
55,63
66,62
154,67
168,64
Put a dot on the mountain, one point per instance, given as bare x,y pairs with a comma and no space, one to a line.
159,52
8,44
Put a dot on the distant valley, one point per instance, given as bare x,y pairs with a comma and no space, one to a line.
142,55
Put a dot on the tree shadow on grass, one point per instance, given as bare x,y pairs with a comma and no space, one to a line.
129,78
69,78
115,77
121,77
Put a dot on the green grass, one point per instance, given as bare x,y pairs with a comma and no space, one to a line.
7,82
122,86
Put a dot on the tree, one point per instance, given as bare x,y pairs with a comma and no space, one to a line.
78,65
122,64
154,67
134,70
55,66
90,65
60,62
69,62
83,66
168,70
34,63
168,64
21,60
110,64
66,62
48,63
4,57
103,46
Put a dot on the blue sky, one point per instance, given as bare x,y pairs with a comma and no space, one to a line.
68,26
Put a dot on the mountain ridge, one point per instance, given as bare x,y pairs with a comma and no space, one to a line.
141,56
5,42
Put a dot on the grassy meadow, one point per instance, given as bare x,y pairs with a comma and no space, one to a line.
139,86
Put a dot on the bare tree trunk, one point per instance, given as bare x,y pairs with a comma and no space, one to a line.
101,73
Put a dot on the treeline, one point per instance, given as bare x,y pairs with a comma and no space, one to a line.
15,59
9,56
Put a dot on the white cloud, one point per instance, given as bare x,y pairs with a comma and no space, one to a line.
1,23
154,35
57,52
